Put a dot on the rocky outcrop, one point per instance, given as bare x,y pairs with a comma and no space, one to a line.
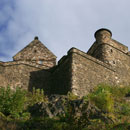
62,106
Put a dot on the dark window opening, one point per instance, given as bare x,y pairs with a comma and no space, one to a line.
114,62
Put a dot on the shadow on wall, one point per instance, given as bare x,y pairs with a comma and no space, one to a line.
52,81
40,79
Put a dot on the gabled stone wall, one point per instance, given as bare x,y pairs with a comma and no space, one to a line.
30,68
36,52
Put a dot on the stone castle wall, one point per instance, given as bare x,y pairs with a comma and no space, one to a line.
30,68
24,75
107,61
61,76
87,72
113,53
80,73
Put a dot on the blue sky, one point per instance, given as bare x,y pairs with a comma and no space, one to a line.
60,24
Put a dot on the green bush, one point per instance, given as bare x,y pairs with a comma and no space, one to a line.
125,109
102,98
15,103
119,91
37,95
12,102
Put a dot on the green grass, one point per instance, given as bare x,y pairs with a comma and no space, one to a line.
110,100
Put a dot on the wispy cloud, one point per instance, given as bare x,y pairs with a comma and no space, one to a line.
60,24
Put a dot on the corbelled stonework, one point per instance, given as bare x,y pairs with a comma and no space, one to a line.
107,61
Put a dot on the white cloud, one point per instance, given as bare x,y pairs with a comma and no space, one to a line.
61,24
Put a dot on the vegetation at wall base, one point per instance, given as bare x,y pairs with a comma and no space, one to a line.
106,108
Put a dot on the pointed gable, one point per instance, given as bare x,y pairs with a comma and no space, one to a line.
35,51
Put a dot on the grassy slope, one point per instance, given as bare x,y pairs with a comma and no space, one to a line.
111,101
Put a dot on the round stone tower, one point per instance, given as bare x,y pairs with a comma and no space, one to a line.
107,49
103,35
102,49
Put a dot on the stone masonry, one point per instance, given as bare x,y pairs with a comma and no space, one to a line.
107,61
29,67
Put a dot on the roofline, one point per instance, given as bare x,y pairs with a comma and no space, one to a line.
29,44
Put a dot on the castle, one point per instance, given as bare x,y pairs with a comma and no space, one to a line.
107,61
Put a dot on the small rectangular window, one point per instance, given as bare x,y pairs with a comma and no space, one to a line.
40,62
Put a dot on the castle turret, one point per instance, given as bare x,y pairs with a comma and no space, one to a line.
103,36
105,48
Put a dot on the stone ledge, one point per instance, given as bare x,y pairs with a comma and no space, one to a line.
11,63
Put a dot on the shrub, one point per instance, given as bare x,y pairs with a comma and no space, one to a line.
125,109
102,98
12,102
37,95
119,91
